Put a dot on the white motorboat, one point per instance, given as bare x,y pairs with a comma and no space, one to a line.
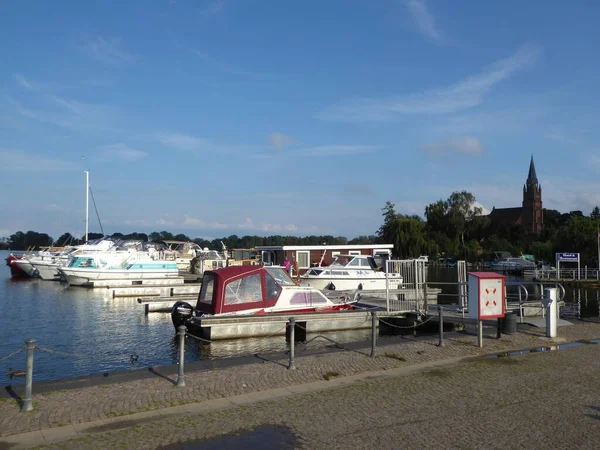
351,272
84,269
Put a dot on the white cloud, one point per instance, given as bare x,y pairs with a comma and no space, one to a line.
121,152
280,141
23,82
424,21
467,145
107,51
12,160
463,95
182,141
268,227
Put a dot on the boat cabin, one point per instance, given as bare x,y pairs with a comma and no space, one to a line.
306,257
254,289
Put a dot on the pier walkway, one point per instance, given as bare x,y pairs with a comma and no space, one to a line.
413,394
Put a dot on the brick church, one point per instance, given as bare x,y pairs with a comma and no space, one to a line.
530,214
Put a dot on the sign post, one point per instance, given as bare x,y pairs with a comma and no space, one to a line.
486,299
568,257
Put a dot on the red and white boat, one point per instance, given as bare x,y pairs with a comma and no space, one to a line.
15,270
248,301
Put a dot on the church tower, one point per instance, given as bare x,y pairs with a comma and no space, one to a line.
531,213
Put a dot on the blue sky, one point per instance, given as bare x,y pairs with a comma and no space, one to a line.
277,117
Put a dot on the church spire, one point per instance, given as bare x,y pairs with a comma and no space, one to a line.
532,175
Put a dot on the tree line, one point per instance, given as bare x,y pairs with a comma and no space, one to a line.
24,240
456,228
451,228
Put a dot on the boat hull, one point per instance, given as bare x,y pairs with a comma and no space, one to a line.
348,284
26,267
48,272
83,277
15,270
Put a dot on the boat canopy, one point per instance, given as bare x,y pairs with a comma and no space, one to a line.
238,288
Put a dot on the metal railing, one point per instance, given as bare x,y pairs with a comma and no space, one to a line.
586,274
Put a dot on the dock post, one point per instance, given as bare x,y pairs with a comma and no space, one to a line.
27,398
181,329
292,325
441,319
373,333
480,333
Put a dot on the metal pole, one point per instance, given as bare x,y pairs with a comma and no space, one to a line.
292,325
181,375
373,333
441,319
480,333
551,317
27,398
499,329
87,204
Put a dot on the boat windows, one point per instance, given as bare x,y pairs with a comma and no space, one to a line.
83,262
315,272
244,290
354,263
308,298
273,289
280,276
206,293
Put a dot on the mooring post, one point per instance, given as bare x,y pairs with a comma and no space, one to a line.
373,333
292,325
480,333
27,398
181,329
441,319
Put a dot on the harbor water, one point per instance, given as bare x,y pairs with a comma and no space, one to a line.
85,331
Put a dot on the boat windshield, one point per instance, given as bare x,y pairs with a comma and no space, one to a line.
280,276
206,292
342,260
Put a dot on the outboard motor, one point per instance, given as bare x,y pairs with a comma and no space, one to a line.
181,313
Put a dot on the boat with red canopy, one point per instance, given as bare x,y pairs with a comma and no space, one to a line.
244,301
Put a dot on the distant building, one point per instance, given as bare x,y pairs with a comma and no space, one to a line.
530,213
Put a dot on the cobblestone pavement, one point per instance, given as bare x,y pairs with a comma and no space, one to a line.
545,400
75,406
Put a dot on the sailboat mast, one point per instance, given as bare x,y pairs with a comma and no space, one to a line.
87,204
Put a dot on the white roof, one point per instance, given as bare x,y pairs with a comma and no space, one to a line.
326,247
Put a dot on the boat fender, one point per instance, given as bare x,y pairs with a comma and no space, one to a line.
181,313
360,287
331,287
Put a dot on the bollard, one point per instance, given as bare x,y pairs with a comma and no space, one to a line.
181,329
441,319
373,333
27,398
549,302
292,325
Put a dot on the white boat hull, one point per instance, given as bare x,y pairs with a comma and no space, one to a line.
26,267
48,272
82,277
350,284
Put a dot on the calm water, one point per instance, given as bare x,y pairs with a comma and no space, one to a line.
104,332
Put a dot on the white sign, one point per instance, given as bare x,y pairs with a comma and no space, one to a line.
486,295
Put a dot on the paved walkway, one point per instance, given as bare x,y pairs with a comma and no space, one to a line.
93,411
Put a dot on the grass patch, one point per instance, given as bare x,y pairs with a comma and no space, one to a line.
394,356
329,375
